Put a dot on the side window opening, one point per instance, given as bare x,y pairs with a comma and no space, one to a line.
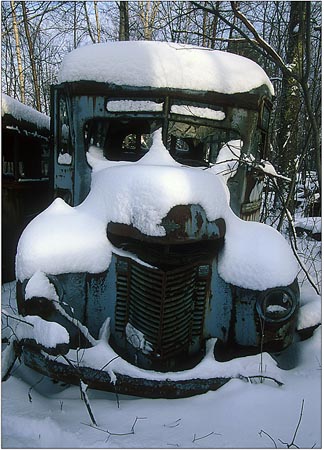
64,140
25,157
197,145
263,125
121,140
8,160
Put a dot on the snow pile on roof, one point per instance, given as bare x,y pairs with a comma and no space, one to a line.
23,112
163,65
65,239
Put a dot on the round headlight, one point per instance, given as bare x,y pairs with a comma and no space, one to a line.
276,305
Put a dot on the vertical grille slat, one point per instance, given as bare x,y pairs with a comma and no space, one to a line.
166,307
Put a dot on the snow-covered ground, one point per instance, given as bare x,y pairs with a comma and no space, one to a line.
37,413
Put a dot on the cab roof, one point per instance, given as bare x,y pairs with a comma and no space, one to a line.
15,113
155,64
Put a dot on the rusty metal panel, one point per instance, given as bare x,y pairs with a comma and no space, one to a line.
182,224
218,307
160,313
99,379
251,205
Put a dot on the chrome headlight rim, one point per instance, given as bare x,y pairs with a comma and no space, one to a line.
277,305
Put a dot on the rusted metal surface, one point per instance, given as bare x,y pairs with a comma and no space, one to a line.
251,205
186,222
99,379
252,329
159,314
183,223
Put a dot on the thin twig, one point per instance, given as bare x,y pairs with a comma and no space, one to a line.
111,433
249,378
174,424
32,387
16,318
264,432
84,395
85,398
205,436
292,444
107,364
299,420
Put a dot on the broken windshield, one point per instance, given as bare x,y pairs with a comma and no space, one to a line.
129,139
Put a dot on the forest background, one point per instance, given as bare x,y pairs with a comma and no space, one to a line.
283,37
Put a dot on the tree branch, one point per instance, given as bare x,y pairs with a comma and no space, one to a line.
263,44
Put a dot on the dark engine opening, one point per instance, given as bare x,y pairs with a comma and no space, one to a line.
165,255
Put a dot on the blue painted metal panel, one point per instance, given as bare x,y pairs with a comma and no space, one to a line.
218,307
71,288
245,317
101,292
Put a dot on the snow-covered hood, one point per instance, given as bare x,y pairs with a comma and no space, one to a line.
65,239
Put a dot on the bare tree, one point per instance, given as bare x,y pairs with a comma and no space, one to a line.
298,73
88,22
31,57
18,51
95,5
123,21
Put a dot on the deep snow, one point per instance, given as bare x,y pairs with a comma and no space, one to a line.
37,413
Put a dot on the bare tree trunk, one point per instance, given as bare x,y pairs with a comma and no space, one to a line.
95,4
32,58
214,27
147,12
144,11
75,25
18,52
88,22
123,21
204,28
290,97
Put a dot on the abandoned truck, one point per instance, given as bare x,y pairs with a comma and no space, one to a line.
149,266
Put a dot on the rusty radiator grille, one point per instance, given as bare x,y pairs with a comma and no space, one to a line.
166,307
202,288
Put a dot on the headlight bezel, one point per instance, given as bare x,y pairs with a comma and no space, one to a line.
277,305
